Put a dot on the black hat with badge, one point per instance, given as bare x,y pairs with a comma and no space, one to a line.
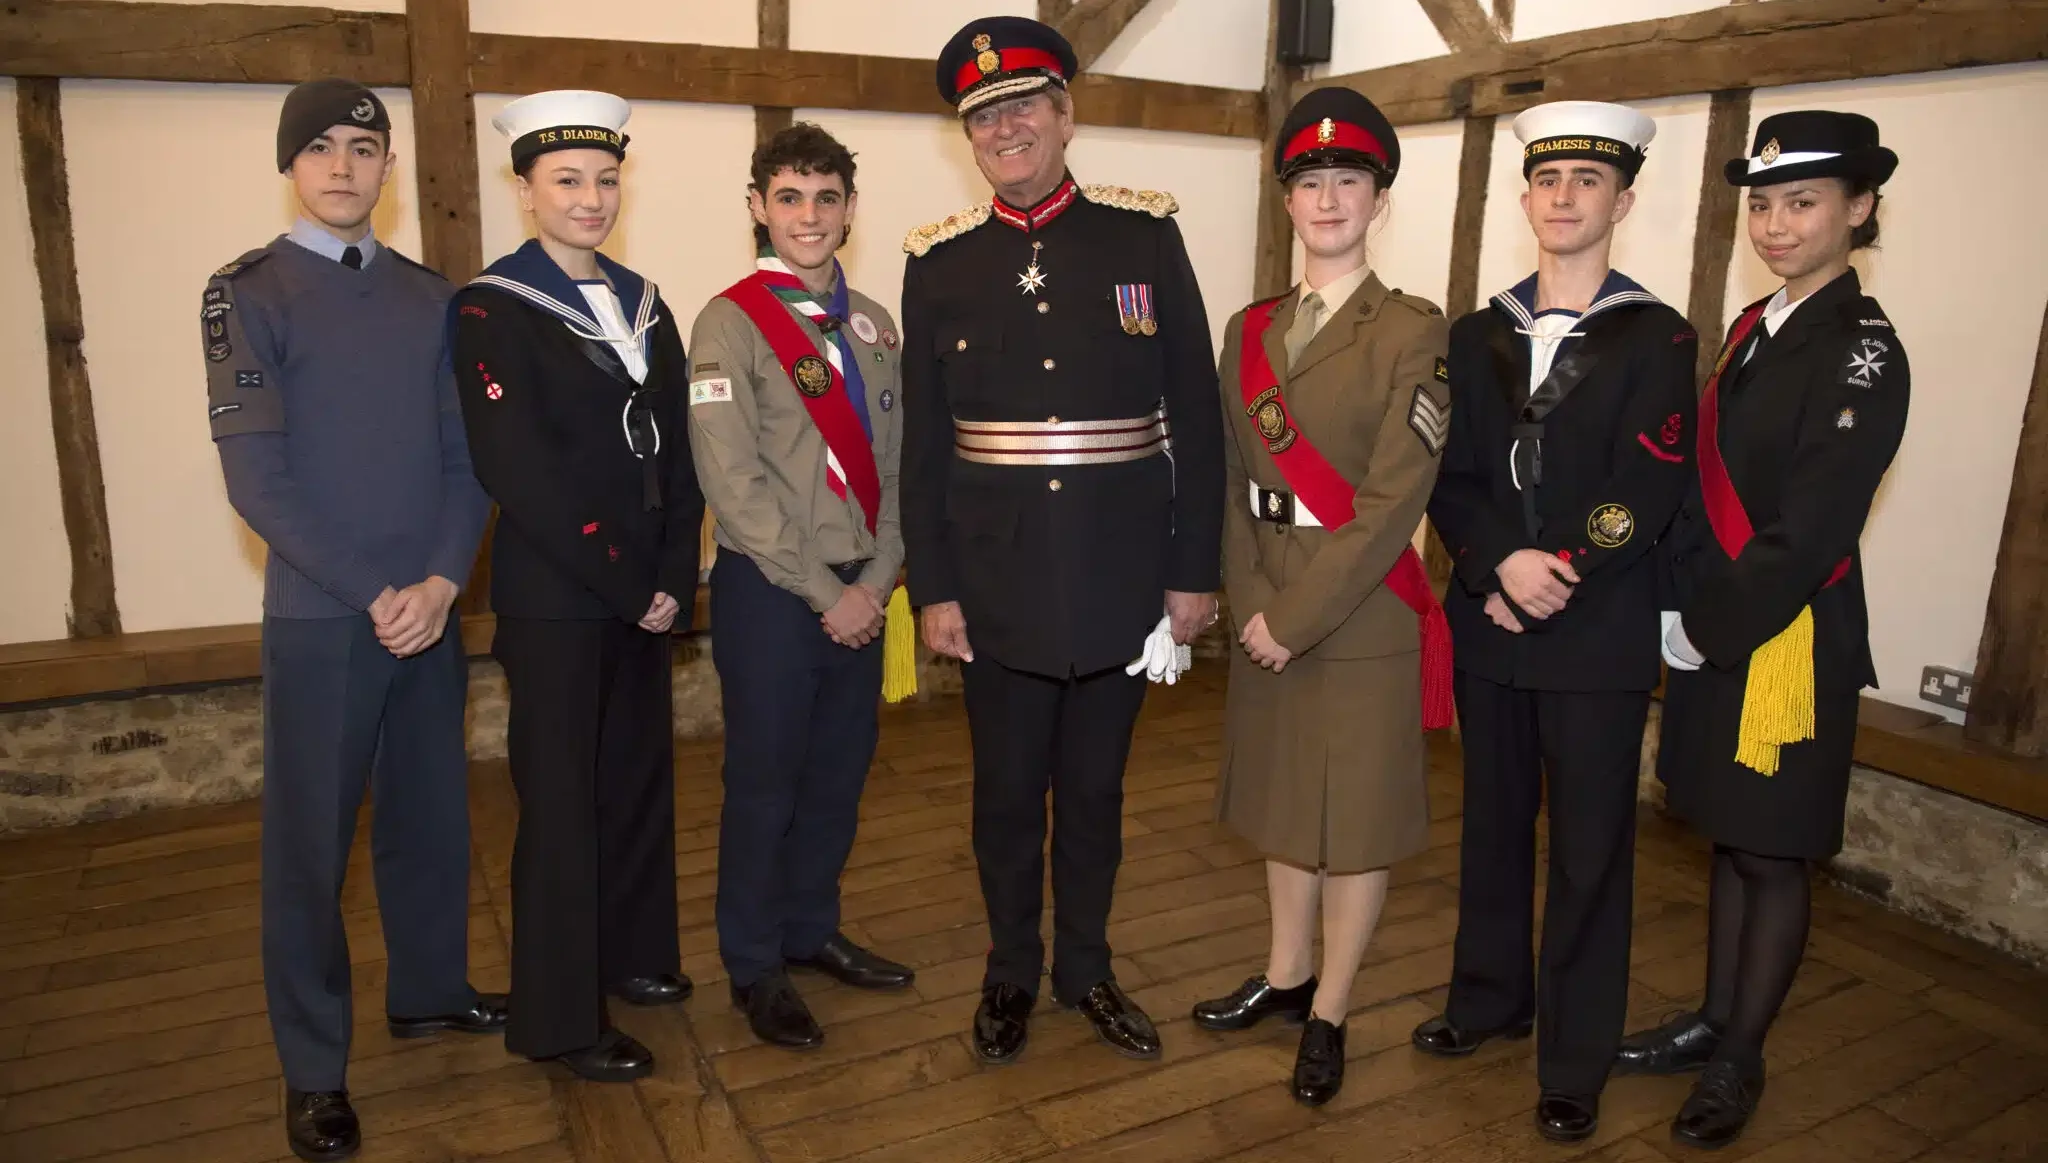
315,107
1000,57
1334,126
1813,143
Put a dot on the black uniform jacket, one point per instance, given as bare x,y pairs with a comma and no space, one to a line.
545,412
1808,426
1062,569
1616,461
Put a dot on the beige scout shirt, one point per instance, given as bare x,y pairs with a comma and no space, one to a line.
761,461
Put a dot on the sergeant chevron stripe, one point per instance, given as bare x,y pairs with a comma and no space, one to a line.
1430,420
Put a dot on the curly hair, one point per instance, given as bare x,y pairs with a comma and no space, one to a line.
805,148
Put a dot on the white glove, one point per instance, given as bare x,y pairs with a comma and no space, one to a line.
1163,659
1678,650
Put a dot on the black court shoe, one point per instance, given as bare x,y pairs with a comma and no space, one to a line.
1118,1021
663,989
617,1057
486,1015
1253,1002
1718,1110
777,1014
1684,1043
1002,1022
320,1125
1319,1063
1566,1118
848,963
1439,1037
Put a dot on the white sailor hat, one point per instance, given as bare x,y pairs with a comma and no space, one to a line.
563,119
1596,130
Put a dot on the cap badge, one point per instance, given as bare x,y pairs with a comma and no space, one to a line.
1327,131
1769,156
982,42
363,111
985,57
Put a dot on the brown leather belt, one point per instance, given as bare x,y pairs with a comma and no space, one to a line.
1062,442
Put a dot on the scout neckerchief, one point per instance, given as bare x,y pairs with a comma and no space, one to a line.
826,386
1777,696
1317,484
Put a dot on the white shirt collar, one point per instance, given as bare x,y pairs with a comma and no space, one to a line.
320,242
1779,309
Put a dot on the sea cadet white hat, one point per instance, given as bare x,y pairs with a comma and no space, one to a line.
564,119
1595,130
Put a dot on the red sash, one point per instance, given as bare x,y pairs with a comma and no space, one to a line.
1330,497
1725,513
831,410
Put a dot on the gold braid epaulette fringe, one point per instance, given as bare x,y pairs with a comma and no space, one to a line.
1157,203
952,226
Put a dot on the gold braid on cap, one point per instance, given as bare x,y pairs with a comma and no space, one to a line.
952,226
1154,202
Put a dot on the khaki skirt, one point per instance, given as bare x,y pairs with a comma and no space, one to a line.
1324,764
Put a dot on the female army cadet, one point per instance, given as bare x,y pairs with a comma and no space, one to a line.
1336,408
1769,642
572,379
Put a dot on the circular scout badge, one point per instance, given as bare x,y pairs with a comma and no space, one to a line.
813,378
864,327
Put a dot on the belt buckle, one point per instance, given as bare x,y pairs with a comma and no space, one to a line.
1279,507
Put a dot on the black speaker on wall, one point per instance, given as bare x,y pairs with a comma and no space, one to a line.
1305,32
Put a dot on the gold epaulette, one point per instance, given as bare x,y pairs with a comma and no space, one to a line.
925,237
1157,203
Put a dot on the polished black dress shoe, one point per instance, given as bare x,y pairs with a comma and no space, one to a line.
1439,1037
1117,1020
1001,1023
486,1015
617,1057
1718,1110
1253,1002
849,963
777,1014
320,1125
663,989
1566,1118
1319,1063
1685,1042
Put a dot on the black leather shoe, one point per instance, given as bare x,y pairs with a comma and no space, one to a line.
663,989
1439,1037
777,1014
1117,1020
1718,1110
849,963
1319,1064
1253,1002
320,1125
1684,1043
485,1015
617,1057
1001,1023
1566,1118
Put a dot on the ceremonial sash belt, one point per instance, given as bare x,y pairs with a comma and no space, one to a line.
1061,442
1322,491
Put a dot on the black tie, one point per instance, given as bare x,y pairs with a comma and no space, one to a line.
352,258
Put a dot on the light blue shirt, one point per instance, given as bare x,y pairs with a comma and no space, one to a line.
320,242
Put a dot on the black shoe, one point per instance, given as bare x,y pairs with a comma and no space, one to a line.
617,1057
777,1014
1566,1118
1319,1064
1253,1002
1684,1043
320,1125
1439,1037
1718,1109
1001,1023
1117,1020
849,963
485,1015
663,989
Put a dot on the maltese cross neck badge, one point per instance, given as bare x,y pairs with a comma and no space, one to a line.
1032,278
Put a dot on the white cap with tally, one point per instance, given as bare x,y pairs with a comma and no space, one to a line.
564,119
1595,130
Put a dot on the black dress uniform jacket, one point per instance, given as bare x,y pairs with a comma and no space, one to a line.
1059,570
1616,460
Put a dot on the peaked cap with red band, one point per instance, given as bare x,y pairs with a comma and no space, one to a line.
1000,57
1334,126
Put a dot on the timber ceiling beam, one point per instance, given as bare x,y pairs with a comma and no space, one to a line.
1463,24
772,23
1091,26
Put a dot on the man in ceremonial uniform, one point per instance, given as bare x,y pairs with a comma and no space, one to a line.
334,413
796,434
1569,452
1062,482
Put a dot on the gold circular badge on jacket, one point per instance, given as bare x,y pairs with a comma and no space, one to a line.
813,378
1272,421
987,61
1610,526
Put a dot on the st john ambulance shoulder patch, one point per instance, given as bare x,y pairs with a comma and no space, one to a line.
1865,364
1429,420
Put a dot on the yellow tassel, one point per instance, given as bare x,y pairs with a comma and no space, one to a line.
1777,700
899,649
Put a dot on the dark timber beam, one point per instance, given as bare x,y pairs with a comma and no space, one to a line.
1713,227
1091,26
2008,707
773,18
1273,236
1463,24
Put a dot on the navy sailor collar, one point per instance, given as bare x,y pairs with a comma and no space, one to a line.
1519,301
531,275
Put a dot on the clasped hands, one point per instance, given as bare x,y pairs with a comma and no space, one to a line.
410,620
945,627
856,618
1537,582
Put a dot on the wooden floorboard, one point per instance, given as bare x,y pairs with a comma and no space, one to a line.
132,1021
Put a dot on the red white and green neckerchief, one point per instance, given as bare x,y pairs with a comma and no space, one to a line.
830,316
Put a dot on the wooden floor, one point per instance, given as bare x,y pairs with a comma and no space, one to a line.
132,1025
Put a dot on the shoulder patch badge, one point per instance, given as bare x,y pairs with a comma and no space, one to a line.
920,241
252,379
1845,419
1611,526
1429,420
710,391
1157,203
1443,371
241,264
1866,362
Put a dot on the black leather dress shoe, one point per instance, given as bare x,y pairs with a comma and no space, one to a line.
617,1057
1253,1002
663,989
1001,1023
320,1125
1566,1118
777,1014
1718,1110
1117,1020
849,963
1319,1063
486,1015
1439,1037
1685,1042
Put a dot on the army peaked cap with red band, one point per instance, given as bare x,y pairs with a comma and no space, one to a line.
1000,57
1337,127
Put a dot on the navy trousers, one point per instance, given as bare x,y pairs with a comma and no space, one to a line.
340,714
800,731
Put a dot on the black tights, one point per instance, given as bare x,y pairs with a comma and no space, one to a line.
1757,918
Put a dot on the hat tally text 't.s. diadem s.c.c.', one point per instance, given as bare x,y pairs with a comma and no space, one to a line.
564,119
1813,143
1335,126
1587,131
315,107
1000,57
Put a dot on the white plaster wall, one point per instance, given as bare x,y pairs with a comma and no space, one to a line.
890,28
732,22
1372,34
1412,244
1194,42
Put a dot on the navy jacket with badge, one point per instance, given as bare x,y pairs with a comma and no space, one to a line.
1059,570
1616,462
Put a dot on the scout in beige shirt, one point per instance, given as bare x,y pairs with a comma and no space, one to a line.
794,427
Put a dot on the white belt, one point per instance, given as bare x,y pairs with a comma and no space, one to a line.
1061,442
1281,508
